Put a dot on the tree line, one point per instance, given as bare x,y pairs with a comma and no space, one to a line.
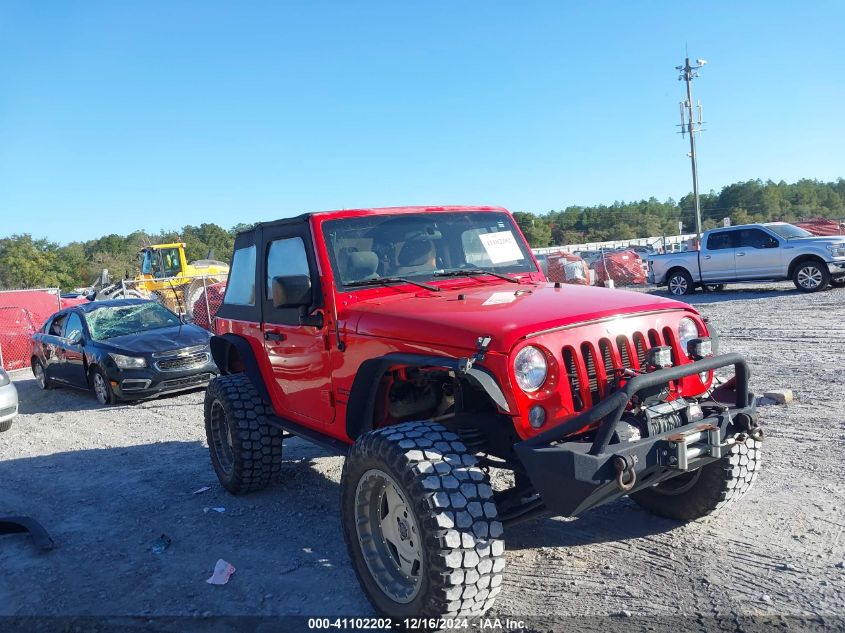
28,262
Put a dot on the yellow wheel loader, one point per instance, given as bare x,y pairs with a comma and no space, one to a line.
166,272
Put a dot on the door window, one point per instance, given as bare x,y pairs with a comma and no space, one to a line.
285,257
720,241
57,326
73,326
755,238
240,290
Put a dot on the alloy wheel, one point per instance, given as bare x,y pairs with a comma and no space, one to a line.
101,389
388,535
809,277
678,285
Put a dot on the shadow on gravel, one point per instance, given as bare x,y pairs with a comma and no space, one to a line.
615,522
105,508
32,400
735,294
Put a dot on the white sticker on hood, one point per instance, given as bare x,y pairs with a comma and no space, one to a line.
499,297
501,247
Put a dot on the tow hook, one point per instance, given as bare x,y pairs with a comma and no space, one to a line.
750,425
626,476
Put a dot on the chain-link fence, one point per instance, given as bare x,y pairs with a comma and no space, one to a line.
197,297
22,312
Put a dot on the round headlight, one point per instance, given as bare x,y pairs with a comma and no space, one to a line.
687,331
530,368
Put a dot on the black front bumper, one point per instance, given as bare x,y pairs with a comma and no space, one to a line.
139,384
576,475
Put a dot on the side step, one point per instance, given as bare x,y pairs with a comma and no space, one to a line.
335,446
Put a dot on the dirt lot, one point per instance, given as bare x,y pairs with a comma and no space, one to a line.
107,482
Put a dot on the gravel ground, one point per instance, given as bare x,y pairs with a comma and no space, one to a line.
107,482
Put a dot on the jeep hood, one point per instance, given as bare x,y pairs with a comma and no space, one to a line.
507,312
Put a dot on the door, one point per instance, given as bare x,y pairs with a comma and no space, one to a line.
71,351
758,255
51,345
717,260
298,353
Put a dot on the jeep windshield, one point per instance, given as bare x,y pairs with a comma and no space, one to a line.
424,246
112,321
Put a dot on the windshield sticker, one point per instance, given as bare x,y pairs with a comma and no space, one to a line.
501,247
499,297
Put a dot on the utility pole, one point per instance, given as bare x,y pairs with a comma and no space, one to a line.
689,125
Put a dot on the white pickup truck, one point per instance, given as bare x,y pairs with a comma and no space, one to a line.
774,251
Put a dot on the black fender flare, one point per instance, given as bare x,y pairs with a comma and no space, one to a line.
360,407
222,346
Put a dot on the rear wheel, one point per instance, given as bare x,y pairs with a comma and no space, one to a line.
707,490
811,276
680,283
246,452
838,283
421,524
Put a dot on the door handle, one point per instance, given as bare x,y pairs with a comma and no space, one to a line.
707,257
273,336
740,254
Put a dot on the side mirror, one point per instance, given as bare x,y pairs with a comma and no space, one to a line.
76,339
292,291
186,318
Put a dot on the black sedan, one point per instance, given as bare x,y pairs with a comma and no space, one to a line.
124,349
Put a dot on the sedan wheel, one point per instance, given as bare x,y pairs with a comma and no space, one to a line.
102,390
40,376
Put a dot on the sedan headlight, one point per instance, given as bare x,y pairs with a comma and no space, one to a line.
687,331
128,362
530,368
836,250
4,378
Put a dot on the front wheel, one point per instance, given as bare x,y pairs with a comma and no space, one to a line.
707,490
102,388
421,524
811,276
680,283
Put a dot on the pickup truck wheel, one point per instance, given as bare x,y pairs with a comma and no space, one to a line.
680,283
811,276
707,490
838,283
246,451
421,524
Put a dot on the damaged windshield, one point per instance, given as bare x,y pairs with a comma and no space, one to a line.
425,246
111,321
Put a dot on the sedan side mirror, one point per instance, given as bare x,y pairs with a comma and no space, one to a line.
292,291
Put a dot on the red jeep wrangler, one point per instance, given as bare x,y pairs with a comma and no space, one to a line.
466,392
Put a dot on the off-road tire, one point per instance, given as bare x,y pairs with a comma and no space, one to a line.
707,490
803,272
256,447
680,283
5,426
461,541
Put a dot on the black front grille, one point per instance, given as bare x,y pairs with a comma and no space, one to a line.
187,381
180,363
593,370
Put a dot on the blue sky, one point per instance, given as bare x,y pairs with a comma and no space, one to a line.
116,116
